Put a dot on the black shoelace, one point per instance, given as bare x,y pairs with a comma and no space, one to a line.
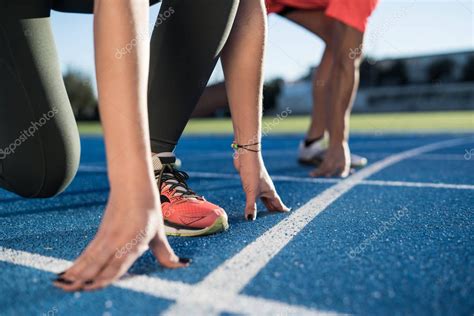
175,179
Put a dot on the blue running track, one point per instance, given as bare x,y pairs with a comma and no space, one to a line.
397,237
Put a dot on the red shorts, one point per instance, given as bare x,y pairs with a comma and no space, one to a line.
354,13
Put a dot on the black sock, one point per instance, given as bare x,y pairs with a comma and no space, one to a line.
309,142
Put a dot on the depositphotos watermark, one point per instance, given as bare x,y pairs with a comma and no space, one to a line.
386,225
356,52
268,126
127,49
27,134
53,311
469,154
129,246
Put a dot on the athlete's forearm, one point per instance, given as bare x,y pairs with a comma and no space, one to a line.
122,87
242,61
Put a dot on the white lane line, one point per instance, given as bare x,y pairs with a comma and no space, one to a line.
171,290
235,273
443,157
212,175
32,260
436,185
433,185
292,154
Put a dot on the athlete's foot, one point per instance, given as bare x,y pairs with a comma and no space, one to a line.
313,154
336,162
358,161
185,213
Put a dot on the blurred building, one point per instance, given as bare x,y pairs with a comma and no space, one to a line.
423,83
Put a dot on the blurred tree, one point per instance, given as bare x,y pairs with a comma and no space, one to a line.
468,70
368,72
394,75
309,75
81,95
271,91
441,70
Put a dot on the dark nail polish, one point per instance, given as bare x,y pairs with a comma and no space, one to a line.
89,282
185,260
250,217
64,281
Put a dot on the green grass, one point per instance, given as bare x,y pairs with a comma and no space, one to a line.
426,122
90,128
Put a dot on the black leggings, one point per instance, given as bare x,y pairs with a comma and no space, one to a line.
183,56
39,140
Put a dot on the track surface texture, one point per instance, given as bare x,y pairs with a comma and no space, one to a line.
396,237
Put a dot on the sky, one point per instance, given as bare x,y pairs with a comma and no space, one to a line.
397,28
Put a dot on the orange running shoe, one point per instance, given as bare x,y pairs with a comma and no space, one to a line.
185,213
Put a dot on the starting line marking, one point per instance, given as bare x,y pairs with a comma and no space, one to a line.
171,290
219,291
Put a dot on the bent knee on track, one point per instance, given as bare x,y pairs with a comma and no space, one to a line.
28,172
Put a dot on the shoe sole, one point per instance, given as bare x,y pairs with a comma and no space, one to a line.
221,224
361,164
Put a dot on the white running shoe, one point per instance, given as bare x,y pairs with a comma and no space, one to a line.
358,161
314,154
